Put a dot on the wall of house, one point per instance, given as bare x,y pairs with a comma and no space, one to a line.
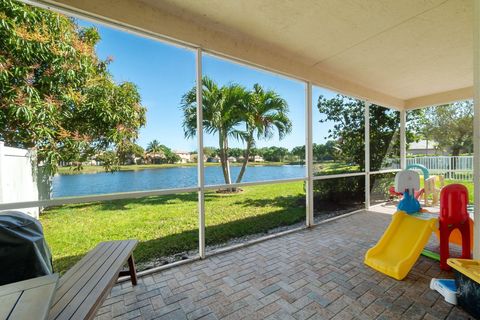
18,179
425,151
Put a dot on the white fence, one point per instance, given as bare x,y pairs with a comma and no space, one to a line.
18,179
454,168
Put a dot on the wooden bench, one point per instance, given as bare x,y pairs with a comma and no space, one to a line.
83,288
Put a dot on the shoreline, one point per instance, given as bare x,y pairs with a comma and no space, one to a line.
71,170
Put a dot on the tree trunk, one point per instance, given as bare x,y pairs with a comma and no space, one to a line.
224,159
227,169
246,156
227,165
222,152
453,159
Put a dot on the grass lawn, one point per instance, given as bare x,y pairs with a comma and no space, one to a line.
330,167
468,184
166,225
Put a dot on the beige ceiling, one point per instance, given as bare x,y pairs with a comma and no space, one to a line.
406,53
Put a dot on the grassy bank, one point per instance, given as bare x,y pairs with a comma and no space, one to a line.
468,184
133,167
328,167
166,225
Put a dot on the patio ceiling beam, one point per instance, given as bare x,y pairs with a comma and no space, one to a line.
140,18
476,127
439,98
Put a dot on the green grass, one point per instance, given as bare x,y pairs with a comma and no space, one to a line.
468,184
134,167
166,225
330,167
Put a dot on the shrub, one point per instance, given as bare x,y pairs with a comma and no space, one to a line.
351,190
340,190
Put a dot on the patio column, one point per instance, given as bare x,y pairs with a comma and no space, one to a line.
200,164
403,140
476,125
309,154
367,155
2,150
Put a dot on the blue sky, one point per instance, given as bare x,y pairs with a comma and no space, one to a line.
163,73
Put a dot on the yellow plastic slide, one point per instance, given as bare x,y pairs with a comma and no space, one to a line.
400,246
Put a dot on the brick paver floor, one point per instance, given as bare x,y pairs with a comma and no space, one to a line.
311,274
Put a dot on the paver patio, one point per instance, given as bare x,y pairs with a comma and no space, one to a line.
311,274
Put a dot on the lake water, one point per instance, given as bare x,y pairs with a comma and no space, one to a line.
168,178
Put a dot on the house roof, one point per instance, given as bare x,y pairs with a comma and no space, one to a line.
423,145
400,54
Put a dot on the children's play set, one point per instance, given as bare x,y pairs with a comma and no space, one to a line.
411,227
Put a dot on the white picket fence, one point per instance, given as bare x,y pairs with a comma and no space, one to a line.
454,168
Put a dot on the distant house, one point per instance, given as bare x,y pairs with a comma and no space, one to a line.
232,159
154,157
215,159
427,147
194,156
185,157
258,159
133,159
137,160
91,162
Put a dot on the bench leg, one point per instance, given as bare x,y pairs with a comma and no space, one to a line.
132,270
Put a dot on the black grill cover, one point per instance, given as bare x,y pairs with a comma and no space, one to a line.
24,254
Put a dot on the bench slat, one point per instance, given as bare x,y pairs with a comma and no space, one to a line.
84,296
67,293
83,261
98,294
93,258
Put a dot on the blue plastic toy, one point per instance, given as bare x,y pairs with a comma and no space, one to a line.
406,182
447,288
424,169
409,204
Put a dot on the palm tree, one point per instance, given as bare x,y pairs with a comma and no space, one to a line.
264,112
227,109
154,147
222,107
